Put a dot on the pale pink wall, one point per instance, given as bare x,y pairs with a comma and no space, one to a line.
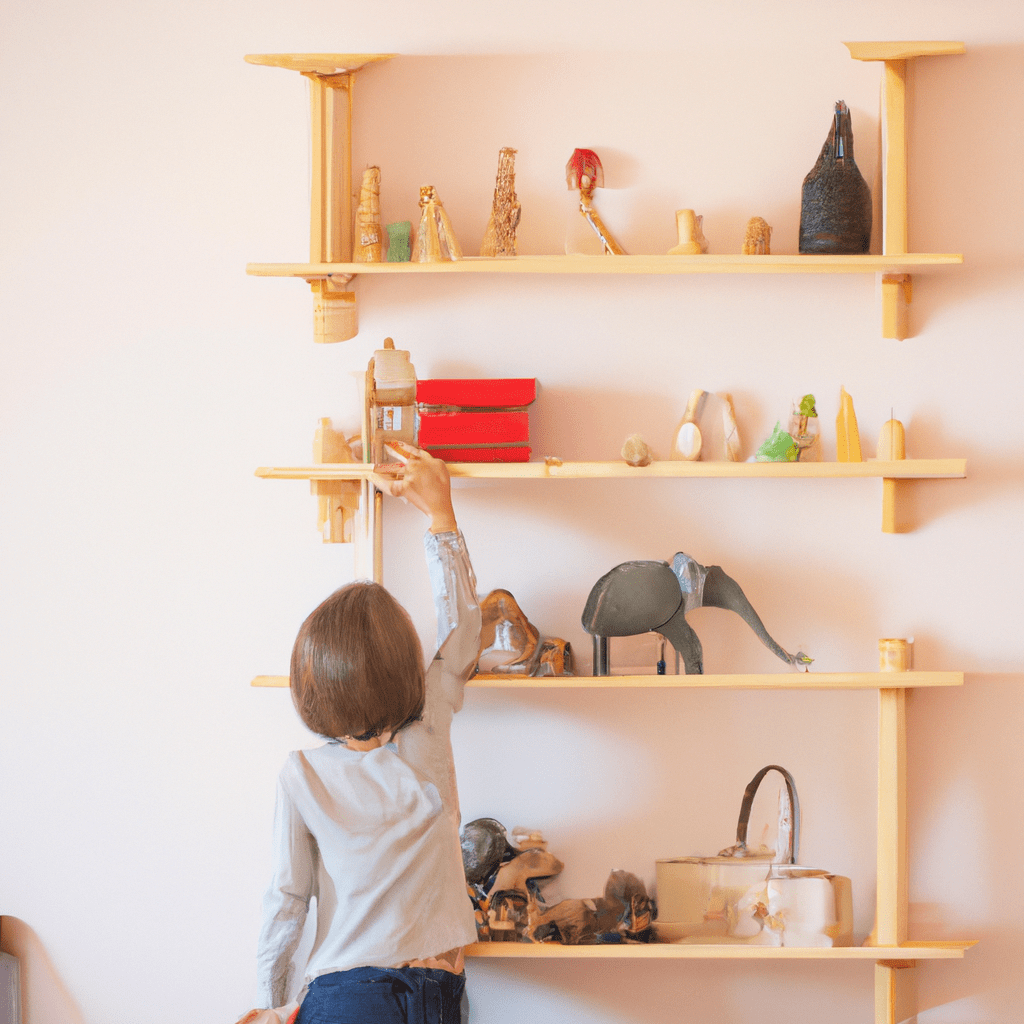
148,575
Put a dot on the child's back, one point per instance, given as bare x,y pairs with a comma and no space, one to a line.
368,827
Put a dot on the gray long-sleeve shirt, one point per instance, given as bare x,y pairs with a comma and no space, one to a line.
374,835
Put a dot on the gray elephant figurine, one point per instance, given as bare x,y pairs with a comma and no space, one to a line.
643,597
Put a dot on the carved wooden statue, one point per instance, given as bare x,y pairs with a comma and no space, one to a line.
369,242
505,628
435,240
500,236
690,230
757,241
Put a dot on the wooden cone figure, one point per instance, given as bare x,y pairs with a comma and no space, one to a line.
435,240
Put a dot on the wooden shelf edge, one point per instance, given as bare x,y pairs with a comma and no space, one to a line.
325,64
739,681
904,469
903,50
675,951
725,263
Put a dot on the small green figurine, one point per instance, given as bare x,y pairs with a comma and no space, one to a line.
399,244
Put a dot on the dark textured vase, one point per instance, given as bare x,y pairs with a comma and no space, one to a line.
835,207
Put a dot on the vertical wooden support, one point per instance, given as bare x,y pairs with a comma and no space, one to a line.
894,158
889,492
895,991
891,894
896,290
330,215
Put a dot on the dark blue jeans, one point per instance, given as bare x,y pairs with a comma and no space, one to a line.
379,995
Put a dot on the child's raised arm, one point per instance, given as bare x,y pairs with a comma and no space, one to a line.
421,480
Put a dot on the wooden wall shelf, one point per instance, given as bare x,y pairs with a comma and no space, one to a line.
726,263
908,952
890,472
738,681
330,271
332,78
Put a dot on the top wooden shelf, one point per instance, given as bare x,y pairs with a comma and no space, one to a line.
324,65
723,263
903,50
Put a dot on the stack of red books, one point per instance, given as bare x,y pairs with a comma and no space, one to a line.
476,419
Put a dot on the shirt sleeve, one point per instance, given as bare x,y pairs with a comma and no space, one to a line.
458,615
286,903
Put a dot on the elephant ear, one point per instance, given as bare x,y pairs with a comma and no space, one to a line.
632,598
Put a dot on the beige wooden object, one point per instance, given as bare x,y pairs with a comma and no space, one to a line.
369,241
847,433
891,446
896,287
690,232
758,237
337,500
331,82
500,234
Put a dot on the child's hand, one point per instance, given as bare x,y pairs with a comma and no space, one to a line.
423,481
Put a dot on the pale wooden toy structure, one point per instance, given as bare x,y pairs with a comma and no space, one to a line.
500,235
757,240
369,245
690,231
585,173
331,271
435,239
337,500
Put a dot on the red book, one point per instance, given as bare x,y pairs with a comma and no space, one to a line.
473,428
512,453
477,392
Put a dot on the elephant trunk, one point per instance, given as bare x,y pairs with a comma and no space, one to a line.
722,591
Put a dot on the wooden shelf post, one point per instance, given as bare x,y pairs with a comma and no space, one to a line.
896,288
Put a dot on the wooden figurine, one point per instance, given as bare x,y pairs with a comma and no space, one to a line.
624,913
757,241
644,597
435,239
585,173
505,628
500,236
847,434
369,244
337,500
707,430
689,228
835,206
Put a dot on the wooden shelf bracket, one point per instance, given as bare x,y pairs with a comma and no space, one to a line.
896,288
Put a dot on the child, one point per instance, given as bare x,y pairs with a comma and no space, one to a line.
368,823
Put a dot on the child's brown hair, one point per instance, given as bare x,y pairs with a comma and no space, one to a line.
357,665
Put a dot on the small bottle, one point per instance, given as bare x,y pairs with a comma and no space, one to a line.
393,403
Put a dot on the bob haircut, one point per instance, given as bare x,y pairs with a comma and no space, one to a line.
357,665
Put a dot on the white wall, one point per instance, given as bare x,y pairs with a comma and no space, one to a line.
147,575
